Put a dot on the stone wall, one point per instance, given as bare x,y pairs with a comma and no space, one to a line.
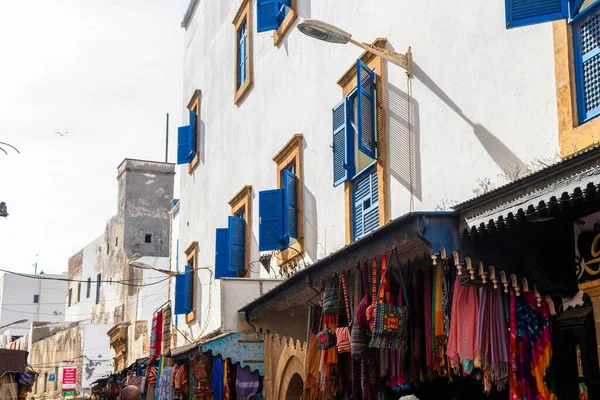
283,358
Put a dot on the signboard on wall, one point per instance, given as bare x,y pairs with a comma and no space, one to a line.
587,247
69,380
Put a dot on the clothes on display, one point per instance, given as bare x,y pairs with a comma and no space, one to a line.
430,330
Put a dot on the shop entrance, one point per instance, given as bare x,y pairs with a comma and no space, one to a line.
294,391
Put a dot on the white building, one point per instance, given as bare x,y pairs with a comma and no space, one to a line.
31,297
479,109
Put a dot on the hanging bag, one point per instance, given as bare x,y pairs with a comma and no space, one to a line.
331,300
373,305
325,338
390,328
360,335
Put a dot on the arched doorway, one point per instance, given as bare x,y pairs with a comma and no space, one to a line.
295,387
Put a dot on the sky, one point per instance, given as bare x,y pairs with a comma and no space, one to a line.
105,71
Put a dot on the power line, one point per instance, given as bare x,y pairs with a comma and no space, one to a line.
120,282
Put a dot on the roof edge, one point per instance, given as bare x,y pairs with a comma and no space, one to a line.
187,17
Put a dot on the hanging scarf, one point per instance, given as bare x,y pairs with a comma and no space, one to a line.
225,380
419,322
463,328
247,382
439,347
498,371
427,304
217,379
530,349
448,273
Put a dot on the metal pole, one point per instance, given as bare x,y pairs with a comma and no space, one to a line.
167,140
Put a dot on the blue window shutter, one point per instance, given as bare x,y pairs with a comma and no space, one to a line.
529,12
237,244
365,78
189,293
290,207
342,161
181,294
270,220
268,14
185,152
366,204
193,133
222,253
586,37
242,54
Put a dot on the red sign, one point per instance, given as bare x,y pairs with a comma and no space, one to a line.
69,376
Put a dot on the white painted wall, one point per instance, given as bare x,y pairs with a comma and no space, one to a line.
483,100
96,354
16,300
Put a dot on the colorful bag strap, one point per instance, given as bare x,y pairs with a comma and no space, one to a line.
374,282
401,277
346,303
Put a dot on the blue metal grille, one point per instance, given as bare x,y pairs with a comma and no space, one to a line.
587,59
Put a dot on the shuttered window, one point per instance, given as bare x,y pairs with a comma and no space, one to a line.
365,199
270,220
586,37
242,55
529,12
290,207
270,14
237,244
354,128
183,303
187,140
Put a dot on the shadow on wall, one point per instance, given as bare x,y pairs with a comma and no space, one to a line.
311,227
498,151
404,140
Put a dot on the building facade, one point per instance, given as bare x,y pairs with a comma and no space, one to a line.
38,298
296,148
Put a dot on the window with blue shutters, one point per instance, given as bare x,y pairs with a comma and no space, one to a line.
222,254
365,203
354,128
182,294
242,54
187,140
290,206
586,46
237,244
270,220
270,14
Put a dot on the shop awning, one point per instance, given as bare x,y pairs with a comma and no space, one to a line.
12,361
415,235
527,226
244,348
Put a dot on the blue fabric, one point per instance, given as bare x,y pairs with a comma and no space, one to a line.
217,381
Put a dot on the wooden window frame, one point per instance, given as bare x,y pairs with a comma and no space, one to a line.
194,105
244,13
293,152
286,24
191,255
348,83
573,137
243,199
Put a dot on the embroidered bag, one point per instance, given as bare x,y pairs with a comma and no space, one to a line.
325,339
390,330
331,300
359,332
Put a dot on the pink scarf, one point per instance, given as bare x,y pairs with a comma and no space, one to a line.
464,325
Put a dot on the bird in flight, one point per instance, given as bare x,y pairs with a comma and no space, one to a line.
61,133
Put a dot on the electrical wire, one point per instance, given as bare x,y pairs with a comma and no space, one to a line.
120,282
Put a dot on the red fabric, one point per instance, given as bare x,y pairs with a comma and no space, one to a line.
159,333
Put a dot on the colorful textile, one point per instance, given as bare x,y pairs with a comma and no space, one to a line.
448,274
311,381
165,390
428,322
530,349
166,330
153,338
439,339
247,382
217,379
463,327
226,393
342,336
498,371
331,301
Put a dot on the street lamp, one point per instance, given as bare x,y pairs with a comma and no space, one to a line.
332,34
20,321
